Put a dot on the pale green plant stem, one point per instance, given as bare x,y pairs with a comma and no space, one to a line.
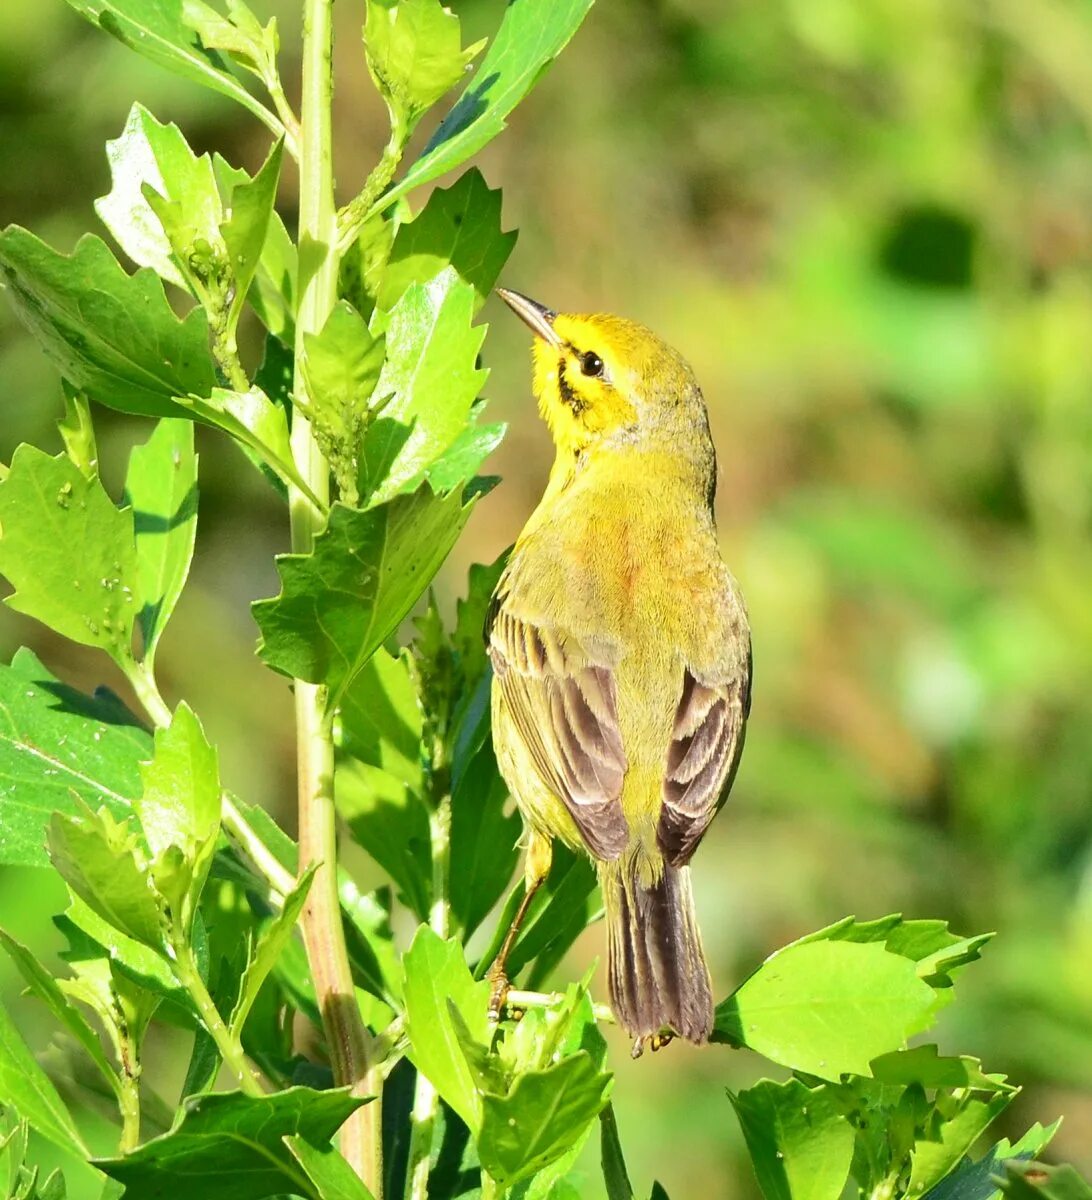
127,1091
517,999
491,1189
189,976
347,1037
426,1103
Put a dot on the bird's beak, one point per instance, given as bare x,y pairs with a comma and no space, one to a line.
537,316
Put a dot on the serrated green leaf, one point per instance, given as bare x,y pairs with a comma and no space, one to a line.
801,1146
459,463
179,810
77,431
57,746
273,294
26,1088
48,506
827,1008
246,230
229,1146
924,1065
978,1180
111,334
101,861
950,1135
240,35
148,153
380,719
161,490
1037,1181
531,35
415,55
331,1175
431,375
47,989
159,32
541,1117
267,950
339,604
436,974
460,228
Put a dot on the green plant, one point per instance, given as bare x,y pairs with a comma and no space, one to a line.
184,899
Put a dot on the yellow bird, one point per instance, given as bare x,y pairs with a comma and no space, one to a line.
621,656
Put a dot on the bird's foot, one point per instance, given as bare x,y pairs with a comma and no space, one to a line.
654,1041
498,992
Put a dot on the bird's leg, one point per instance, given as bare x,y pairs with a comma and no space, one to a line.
536,868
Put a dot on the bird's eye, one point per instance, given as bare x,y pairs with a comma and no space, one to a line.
591,363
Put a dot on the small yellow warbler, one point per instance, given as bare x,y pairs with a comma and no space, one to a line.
621,656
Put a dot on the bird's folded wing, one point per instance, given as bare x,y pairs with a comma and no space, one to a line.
563,704
706,743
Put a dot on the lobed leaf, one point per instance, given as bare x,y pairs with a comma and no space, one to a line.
246,230
111,334
431,375
229,1146
979,1180
531,35
458,229
339,604
801,1146
58,748
161,490
47,507
827,1008
437,981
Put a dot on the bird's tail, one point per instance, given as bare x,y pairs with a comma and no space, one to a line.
658,976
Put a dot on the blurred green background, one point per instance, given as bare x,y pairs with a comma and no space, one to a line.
868,224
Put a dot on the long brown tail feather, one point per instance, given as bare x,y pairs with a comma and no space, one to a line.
658,975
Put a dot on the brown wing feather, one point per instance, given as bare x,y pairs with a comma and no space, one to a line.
706,744
564,707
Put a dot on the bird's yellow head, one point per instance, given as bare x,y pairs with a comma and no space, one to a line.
605,380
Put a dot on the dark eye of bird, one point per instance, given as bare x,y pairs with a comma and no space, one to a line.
591,363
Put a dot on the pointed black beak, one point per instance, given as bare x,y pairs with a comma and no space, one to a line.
537,316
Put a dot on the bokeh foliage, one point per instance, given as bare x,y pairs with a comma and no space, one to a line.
868,224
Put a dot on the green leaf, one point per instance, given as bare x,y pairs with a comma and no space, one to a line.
339,604
431,375
923,1065
1037,1181
58,747
541,1117
161,490
390,821
111,334
950,1133
229,1146
801,1146
565,905
458,464
436,976
254,421
26,1088
46,988
331,1175
149,154
246,230
47,507
484,842
415,55
179,809
381,719
341,367
101,862
978,1180
615,1175
458,229
268,949
159,32
532,34
273,295
827,1008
